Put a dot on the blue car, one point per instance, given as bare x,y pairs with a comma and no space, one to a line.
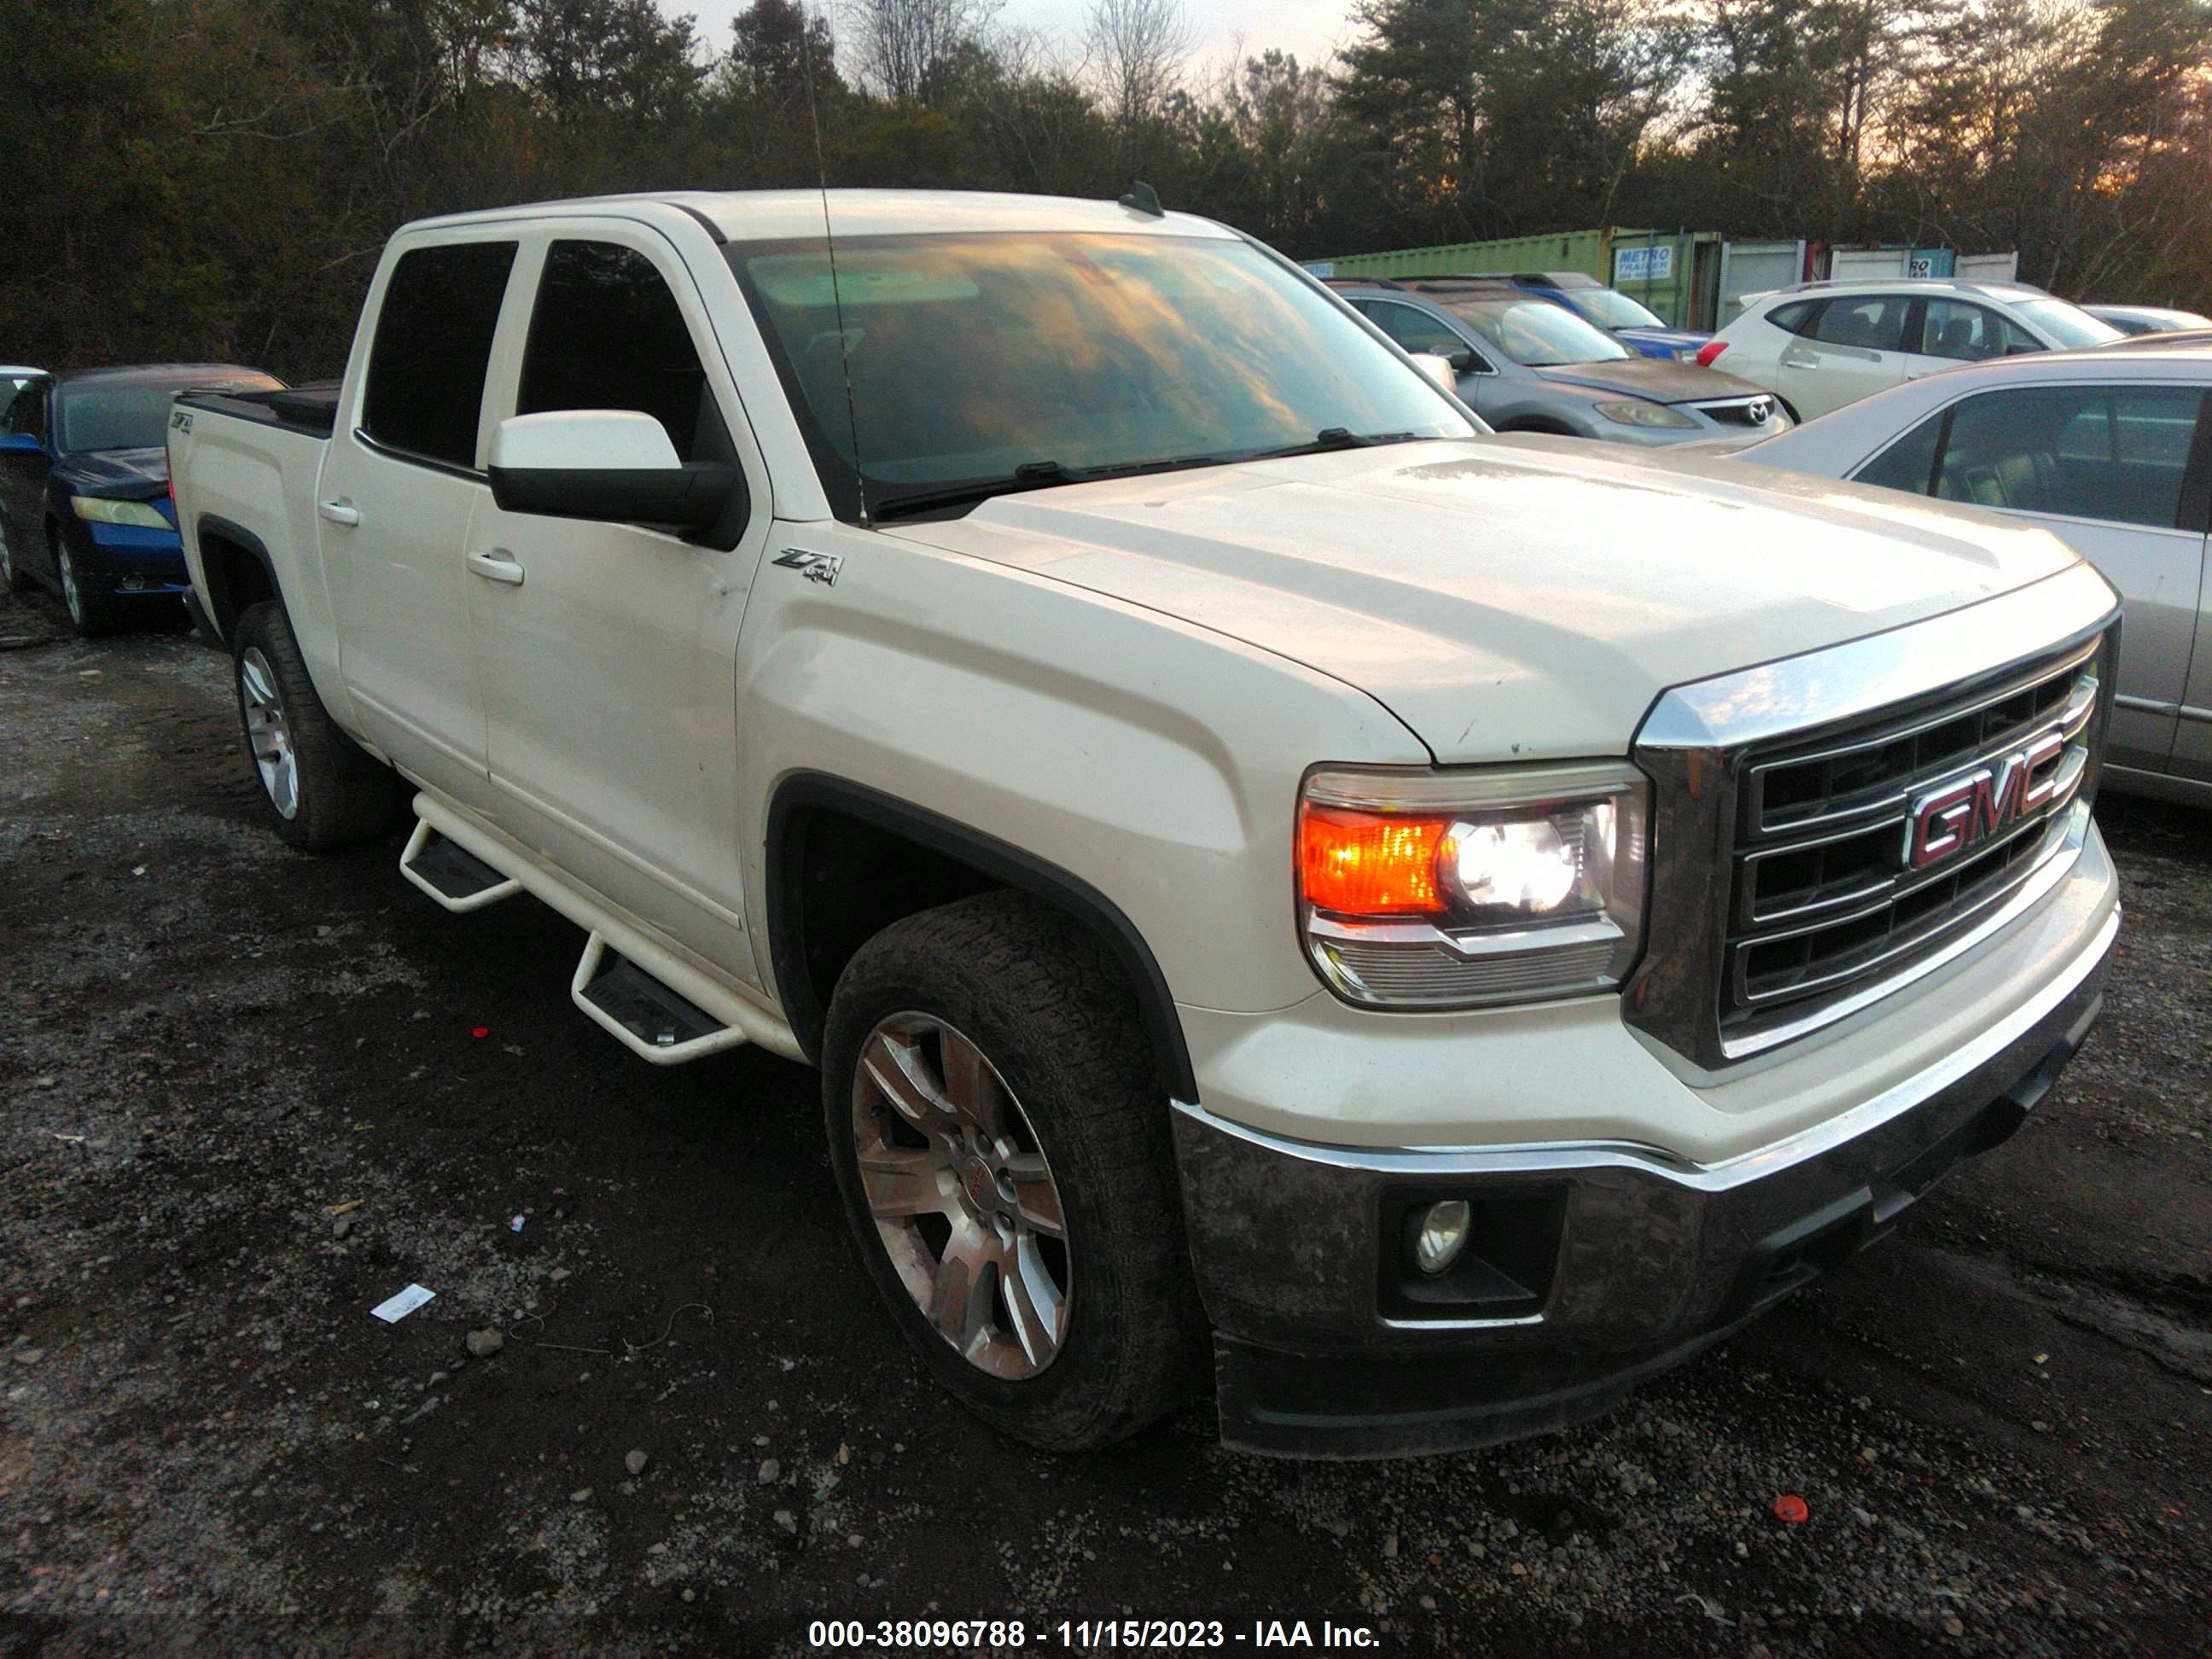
84,486
1633,324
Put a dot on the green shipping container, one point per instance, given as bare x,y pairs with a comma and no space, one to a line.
1659,268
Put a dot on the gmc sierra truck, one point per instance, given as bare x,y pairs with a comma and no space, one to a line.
1280,884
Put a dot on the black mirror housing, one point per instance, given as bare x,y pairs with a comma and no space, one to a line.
691,496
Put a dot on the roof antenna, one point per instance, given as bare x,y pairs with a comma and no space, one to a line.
829,240
1143,198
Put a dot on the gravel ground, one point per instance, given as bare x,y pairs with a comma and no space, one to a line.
2000,1420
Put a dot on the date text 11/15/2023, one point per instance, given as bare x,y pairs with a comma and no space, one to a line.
1083,1634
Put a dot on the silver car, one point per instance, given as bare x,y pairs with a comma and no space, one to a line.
1527,365
2111,451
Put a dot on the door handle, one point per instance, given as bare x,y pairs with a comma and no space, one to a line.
496,565
1798,357
339,513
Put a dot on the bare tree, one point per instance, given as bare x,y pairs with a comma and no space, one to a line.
897,45
1136,50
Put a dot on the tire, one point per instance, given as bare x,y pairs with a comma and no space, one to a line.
321,789
12,579
1081,1133
1790,409
91,612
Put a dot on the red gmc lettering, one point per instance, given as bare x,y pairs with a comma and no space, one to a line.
1982,803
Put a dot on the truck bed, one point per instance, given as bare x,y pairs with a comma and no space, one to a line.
312,408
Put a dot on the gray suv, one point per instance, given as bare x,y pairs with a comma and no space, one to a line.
1526,365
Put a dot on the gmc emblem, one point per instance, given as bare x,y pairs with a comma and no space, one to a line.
1959,811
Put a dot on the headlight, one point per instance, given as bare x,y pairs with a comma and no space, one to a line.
99,510
1453,890
1643,414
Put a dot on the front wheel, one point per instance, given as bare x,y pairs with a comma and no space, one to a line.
321,788
1002,1146
91,612
12,580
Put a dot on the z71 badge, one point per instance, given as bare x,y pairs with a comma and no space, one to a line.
818,566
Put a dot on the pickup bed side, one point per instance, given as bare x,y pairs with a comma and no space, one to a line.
245,468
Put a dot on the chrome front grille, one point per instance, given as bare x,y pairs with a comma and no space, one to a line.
1840,878
1739,411
1829,827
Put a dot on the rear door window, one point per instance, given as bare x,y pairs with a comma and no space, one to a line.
606,333
433,334
2114,453
1870,322
1795,318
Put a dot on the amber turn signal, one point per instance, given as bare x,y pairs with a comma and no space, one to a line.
1371,864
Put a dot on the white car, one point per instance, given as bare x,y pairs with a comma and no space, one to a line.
1821,345
2109,450
1418,927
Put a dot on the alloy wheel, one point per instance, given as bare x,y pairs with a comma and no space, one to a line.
267,733
66,568
963,1198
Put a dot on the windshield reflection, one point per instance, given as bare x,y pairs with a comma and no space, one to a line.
971,356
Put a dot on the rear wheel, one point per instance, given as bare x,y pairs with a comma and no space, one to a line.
321,789
1002,1147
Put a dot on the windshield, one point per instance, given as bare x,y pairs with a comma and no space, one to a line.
1610,310
969,357
131,414
1535,332
2069,324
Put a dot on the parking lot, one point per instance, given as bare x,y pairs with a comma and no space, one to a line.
251,1095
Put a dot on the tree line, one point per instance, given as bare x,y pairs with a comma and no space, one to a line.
213,179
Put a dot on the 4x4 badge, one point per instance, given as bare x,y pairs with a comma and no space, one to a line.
819,567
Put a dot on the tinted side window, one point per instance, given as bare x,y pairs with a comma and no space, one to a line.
1416,331
1872,322
1794,318
1907,463
606,334
1964,333
426,370
2115,453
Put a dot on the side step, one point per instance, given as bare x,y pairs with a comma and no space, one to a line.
452,874
652,1020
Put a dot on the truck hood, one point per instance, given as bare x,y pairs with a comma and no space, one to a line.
1509,596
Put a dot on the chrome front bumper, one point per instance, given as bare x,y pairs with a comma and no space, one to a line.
1625,1260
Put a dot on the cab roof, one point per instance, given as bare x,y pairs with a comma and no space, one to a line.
759,216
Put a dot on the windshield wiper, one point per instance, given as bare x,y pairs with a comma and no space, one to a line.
1030,475
1328,438
1037,475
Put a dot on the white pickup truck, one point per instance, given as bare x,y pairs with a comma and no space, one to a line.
1424,927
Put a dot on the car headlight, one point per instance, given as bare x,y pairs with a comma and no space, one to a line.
99,510
1458,889
1643,414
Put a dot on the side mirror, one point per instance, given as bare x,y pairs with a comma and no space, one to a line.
612,464
1438,369
20,443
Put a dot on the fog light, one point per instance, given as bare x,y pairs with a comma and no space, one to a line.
1441,1235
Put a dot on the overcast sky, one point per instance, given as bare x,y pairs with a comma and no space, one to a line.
1309,27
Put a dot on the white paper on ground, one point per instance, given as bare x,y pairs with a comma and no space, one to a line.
400,1306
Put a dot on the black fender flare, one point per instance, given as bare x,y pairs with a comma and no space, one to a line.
1003,862
221,612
